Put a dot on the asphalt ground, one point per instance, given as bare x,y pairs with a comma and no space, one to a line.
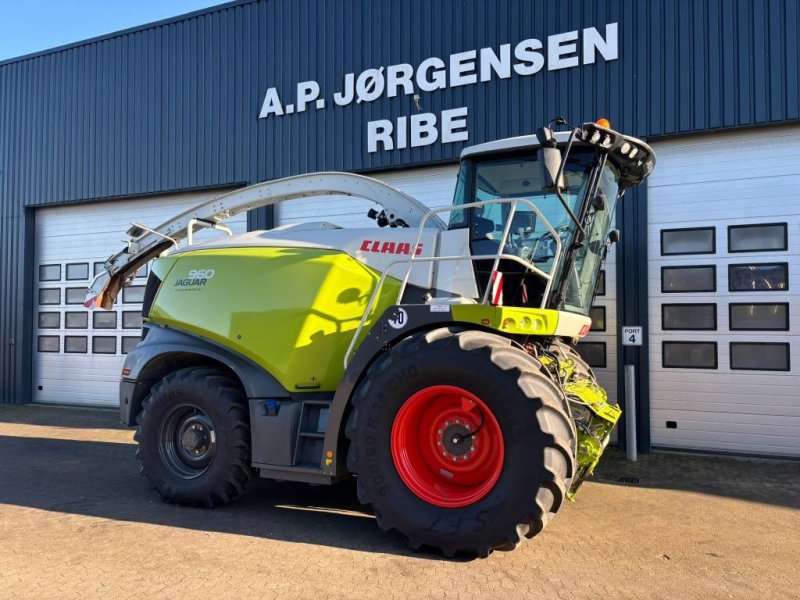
77,521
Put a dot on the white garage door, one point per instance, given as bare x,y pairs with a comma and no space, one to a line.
724,250
78,353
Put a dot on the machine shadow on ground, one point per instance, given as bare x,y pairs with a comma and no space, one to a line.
100,479
87,475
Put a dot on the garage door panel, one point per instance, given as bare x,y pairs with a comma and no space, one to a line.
772,380
721,181
717,420
779,407
89,234
723,160
722,442
745,199
732,432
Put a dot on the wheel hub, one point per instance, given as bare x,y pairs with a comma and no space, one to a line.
457,440
187,441
195,439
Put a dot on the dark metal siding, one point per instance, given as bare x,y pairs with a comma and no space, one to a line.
174,105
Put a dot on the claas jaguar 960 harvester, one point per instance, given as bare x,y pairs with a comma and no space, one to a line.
432,355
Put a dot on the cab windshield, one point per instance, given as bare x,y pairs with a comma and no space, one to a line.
588,257
529,237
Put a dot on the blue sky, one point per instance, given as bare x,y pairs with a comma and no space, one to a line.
32,25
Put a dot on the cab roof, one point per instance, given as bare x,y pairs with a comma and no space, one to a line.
513,143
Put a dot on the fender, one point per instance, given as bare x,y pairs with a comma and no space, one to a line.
164,346
385,333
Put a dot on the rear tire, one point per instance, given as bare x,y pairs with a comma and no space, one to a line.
194,438
522,418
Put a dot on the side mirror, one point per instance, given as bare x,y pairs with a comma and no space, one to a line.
549,158
613,236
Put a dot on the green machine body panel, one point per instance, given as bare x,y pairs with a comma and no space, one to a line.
509,320
293,311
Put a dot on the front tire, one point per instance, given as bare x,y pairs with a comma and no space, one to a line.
413,411
194,438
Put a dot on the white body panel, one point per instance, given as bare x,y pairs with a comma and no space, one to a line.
743,178
89,233
455,277
376,247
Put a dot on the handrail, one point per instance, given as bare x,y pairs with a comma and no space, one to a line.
513,202
397,206
424,259
548,277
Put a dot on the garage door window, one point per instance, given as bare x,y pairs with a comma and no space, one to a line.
759,316
75,344
598,315
49,296
129,343
757,238
49,320
48,343
593,353
131,319
78,272
102,344
695,240
104,320
601,284
77,320
757,356
689,279
760,277
689,355
700,317
133,294
49,272
75,295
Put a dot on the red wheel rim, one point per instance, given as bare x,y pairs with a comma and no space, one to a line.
447,446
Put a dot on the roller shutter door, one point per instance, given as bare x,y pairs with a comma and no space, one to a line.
78,353
724,250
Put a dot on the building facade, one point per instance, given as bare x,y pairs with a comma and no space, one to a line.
137,125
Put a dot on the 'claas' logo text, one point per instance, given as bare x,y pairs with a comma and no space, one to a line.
379,247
